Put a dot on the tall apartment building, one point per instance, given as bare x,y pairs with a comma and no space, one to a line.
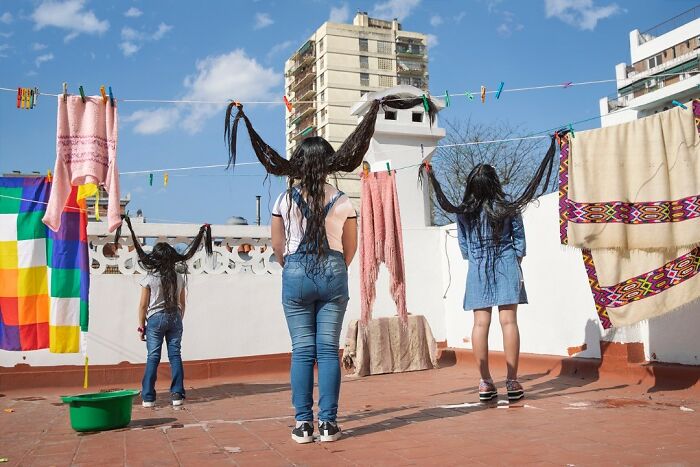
664,68
337,66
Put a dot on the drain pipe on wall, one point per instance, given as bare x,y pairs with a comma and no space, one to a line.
257,210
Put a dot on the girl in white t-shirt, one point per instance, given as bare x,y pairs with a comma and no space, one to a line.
314,236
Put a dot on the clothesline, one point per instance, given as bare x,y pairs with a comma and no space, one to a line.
439,95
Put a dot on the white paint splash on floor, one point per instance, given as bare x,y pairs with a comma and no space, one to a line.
686,409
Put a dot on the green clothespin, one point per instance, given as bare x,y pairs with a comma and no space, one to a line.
388,167
470,96
447,98
425,103
82,93
150,179
571,130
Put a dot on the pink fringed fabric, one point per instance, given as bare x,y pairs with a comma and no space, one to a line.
381,241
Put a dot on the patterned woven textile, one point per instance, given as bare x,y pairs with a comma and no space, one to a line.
44,275
629,197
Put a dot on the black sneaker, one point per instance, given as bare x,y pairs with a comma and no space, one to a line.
304,433
329,431
177,398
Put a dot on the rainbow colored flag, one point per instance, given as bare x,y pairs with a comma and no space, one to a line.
44,275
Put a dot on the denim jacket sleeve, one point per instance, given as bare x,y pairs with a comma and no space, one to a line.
518,230
463,237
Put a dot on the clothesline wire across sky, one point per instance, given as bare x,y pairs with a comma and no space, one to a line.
471,94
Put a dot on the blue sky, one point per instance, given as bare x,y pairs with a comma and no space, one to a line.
221,49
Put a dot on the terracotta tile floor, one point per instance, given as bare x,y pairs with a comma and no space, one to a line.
406,419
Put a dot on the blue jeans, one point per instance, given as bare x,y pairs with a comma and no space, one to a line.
314,307
161,326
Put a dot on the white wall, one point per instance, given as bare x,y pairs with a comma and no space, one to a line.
640,51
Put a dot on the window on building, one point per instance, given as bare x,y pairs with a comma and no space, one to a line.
364,79
386,81
656,60
321,62
364,61
390,115
322,79
417,117
383,47
322,96
323,114
385,64
320,45
364,45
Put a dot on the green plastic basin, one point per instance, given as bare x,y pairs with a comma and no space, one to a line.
100,411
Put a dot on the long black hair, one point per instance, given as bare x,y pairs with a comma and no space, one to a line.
484,200
164,261
314,160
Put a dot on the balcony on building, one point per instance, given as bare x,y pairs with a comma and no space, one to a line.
411,67
411,48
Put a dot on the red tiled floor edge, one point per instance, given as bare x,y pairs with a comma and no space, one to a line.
619,362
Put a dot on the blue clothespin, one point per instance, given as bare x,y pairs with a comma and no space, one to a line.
111,97
447,98
82,93
679,104
571,130
388,168
470,96
500,88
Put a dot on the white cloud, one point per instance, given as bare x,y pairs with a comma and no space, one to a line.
233,75
151,122
278,48
262,20
133,12
37,46
432,40
6,18
7,35
4,48
436,20
492,5
340,14
42,59
509,25
69,15
391,9
582,14
458,19
31,73
129,48
132,40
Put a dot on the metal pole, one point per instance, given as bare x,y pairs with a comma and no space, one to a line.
257,210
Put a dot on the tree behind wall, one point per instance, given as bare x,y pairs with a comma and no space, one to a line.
515,161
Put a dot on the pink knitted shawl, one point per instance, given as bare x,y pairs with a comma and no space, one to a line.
381,240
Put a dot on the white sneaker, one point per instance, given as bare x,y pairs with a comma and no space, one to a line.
177,399
148,405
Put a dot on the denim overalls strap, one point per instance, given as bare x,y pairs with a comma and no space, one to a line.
306,212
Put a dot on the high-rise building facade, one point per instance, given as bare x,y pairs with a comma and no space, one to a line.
664,67
338,65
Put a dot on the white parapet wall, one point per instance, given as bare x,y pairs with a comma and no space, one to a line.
234,303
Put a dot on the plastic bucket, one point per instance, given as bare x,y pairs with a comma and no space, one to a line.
100,411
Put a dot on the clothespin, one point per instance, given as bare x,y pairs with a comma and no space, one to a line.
679,104
150,179
104,94
447,99
27,98
567,84
365,168
287,103
82,93
388,168
470,96
426,164
426,106
31,98
35,97
49,177
483,94
65,92
165,179
111,96
19,97
500,89
571,130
